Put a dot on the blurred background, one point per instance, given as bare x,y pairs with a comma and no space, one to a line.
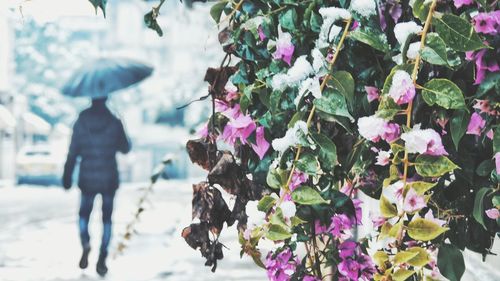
42,42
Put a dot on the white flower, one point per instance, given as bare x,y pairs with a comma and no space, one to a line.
319,61
255,217
300,70
413,50
334,13
371,127
329,31
309,85
383,158
402,89
365,8
288,208
425,141
404,29
293,136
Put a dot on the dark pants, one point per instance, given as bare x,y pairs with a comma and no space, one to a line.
86,205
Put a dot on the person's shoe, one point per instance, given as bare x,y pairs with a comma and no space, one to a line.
101,267
84,260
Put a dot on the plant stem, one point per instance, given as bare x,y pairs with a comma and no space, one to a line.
414,76
322,87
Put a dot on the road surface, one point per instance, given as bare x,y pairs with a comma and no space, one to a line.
39,240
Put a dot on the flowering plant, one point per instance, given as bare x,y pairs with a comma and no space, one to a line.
329,100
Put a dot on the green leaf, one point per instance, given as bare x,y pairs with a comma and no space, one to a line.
396,229
478,212
333,103
458,126
450,262
266,203
424,230
327,151
306,195
404,256
496,140
491,81
296,221
434,51
289,19
433,166
275,178
277,233
458,33
386,208
444,93
216,10
485,167
344,83
369,37
380,257
402,274
99,4
421,186
421,259
308,164
420,9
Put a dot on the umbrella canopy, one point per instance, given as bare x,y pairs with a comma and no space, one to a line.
103,76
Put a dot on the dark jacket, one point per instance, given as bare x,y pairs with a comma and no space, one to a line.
97,136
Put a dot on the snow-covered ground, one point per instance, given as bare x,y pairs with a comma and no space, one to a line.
39,240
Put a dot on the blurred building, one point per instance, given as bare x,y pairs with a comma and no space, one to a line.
7,120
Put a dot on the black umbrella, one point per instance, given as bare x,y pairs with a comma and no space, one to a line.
106,75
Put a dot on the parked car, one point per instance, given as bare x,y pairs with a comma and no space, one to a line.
40,165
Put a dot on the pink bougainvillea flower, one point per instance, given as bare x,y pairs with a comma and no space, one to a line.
284,47
372,93
402,89
358,212
203,131
497,162
383,158
340,226
487,23
231,91
320,228
240,128
476,124
482,64
347,249
413,202
262,145
298,178
282,267
460,3
349,268
348,189
262,35
425,141
355,25
484,107
493,213
311,278
391,132
430,216
377,220
490,134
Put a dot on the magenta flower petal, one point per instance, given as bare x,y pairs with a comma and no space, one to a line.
497,162
262,145
460,3
373,93
493,213
413,202
476,124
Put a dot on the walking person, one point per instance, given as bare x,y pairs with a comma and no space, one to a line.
97,136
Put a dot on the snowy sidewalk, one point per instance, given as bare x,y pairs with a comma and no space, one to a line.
39,240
